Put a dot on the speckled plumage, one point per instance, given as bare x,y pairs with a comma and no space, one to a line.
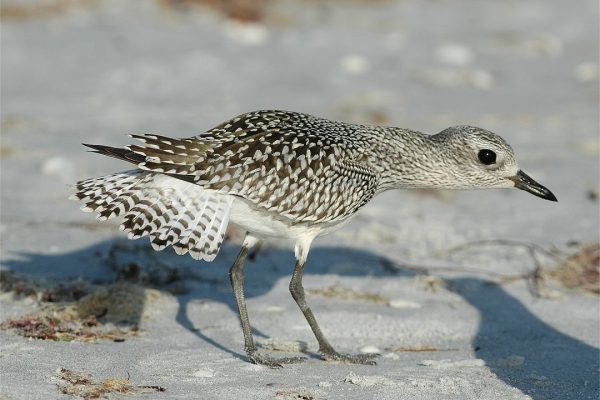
302,168
170,211
287,175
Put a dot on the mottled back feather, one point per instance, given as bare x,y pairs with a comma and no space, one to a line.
283,162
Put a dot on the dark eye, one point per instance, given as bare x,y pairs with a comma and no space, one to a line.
487,157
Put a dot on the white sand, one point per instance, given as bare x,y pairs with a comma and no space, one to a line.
95,73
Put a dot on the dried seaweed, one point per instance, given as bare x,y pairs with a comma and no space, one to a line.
46,327
239,10
86,312
84,386
24,10
580,270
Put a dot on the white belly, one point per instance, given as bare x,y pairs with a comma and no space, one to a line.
264,225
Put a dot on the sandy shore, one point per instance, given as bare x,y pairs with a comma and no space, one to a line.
87,313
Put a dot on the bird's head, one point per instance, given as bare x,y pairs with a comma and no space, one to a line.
483,160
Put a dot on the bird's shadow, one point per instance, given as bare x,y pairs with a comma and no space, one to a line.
550,364
526,352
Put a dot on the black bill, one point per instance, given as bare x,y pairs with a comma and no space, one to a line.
524,182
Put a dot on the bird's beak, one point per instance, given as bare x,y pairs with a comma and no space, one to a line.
524,182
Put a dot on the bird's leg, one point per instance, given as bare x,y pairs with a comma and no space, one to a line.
236,276
327,351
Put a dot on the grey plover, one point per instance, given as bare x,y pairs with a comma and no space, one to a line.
286,175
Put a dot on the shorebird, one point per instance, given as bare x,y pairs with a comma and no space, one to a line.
287,175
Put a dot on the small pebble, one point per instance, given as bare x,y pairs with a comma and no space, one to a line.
451,77
246,33
370,350
401,303
454,54
538,377
354,64
544,45
586,72
204,373
481,79
61,168
540,380
253,368
368,380
391,356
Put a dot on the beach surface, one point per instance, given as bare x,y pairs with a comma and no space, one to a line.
465,295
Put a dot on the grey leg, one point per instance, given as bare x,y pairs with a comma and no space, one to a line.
327,351
236,276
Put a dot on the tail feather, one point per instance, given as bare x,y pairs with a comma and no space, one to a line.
116,152
172,156
171,211
161,154
215,229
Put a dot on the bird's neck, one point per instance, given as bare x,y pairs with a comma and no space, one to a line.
412,160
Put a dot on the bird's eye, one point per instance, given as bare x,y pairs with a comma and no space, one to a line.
486,156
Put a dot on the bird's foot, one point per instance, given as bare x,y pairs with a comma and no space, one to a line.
272,362
334,356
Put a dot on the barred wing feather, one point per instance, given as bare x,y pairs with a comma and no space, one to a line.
172,212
